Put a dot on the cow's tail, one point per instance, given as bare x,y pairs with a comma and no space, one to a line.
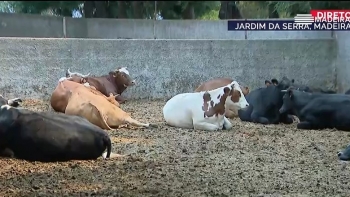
108,144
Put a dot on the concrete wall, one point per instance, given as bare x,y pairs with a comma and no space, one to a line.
31,67
343,61
30,25
25,25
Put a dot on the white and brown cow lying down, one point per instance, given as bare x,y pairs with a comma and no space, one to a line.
220,82
204,110
76,99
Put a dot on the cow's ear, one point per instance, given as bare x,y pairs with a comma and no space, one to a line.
267,82
227,90
274,82
292,80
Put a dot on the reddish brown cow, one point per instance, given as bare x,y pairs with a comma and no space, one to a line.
220,82
114,83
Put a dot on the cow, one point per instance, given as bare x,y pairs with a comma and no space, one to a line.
344,155
114,83
50,137
220,82
347,92
12,102
75,99
204,110
302,87
317,110
265,102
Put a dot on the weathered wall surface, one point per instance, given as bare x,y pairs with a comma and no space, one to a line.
343,61
30,25
31,67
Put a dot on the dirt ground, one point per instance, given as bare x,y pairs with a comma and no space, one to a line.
249,160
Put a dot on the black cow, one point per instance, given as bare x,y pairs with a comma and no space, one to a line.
305,88
317,110
264,104
12,102
344,155
347,92
49,137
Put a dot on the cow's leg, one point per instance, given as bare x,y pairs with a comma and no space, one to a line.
113,155
120,99
286,119
134,122
305,125
259,119
227,124
205,126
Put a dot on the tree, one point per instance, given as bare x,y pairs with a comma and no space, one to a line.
229,10
118,9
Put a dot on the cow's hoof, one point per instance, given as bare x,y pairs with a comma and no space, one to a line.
153,125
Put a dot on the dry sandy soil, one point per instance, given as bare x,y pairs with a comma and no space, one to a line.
249,160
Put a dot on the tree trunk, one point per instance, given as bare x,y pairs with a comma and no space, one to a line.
223,10
188,12
234,12
101,9
122,10
137,9
272,11
88,9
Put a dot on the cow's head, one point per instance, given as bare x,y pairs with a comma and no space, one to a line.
272,82
283,84
122,77
236,95
11,102
231,95
287,100
344,155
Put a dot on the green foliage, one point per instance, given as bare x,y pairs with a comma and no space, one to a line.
207,10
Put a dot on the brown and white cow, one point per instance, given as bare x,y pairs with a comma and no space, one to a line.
114,83
76,99
220,82
204,110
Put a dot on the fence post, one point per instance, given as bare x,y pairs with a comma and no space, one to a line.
64,27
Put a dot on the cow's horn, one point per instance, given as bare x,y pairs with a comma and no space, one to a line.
68,71
85,75
283,90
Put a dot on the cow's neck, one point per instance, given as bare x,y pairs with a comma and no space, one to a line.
300,100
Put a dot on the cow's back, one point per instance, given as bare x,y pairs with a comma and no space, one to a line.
179,110
213,84
60,96
111,113
54,137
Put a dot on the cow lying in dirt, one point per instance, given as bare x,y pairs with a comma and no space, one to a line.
76,99
220,82
12,102
50,137
204,110
114,83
